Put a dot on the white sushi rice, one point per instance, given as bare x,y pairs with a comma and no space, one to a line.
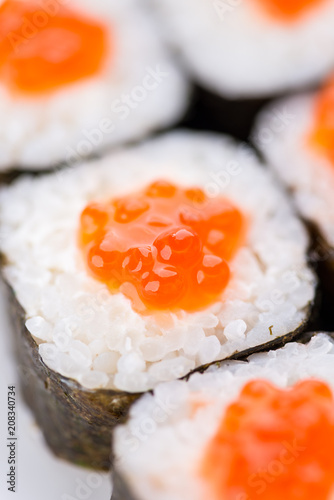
159,450
304,170
95,337
236,49
139,89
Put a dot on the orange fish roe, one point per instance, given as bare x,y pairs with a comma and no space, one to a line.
42,49
322,136
289,10
274,444
172,245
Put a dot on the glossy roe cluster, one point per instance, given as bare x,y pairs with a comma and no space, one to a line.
288,10
322,136
274,444
44,45
164,247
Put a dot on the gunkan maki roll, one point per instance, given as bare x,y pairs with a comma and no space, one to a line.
76,77
139,268
243,52
241,431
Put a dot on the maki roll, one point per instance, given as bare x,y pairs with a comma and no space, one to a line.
172,255
241,431
241,53
78,76
224,46
300,150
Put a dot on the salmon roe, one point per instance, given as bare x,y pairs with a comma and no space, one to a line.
163,247
274,444
44,45
289,10
322,136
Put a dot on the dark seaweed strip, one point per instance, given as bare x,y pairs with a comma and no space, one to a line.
121,490
76,422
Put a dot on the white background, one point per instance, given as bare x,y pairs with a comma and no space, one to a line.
40,476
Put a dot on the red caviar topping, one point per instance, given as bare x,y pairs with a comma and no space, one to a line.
274,444
171,244
289,10
322,136
44,46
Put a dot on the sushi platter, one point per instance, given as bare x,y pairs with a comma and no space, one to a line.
167,249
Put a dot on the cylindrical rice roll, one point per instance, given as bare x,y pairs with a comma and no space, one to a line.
141,267
79,76
242,52
296,137
241,431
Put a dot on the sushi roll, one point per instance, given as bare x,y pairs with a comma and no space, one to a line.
300,150
241,431
241,53
139,268
76,77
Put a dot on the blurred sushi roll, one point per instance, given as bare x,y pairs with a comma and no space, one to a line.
296,137
76,77
139,268
240,431
240,52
